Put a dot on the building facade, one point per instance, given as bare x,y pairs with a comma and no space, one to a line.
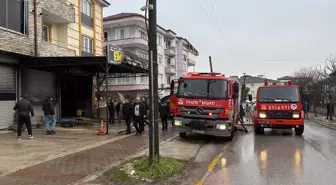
254,82
61,28
175,54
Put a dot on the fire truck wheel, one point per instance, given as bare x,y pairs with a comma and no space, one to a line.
258,130
183,134
299,131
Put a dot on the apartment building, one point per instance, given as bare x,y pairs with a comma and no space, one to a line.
64,28
254,82
175,54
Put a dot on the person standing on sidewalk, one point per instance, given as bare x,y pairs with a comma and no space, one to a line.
117,108
164,113
139,112
24,107
49,116
127,114
305,110
146,104
111,112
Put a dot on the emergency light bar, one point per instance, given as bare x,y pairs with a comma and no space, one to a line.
204,74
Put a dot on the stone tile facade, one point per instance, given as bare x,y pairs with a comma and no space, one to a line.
60,8
12,41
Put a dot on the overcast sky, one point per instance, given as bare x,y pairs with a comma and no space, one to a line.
270,37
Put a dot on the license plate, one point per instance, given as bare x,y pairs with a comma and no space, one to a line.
198,131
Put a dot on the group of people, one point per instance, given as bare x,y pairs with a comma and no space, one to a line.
136,111
246,110
25,109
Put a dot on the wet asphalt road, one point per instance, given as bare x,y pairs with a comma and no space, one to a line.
277,158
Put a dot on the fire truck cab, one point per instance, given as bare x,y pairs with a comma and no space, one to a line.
278,107
205,103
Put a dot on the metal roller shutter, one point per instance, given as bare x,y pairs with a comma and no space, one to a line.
38,85
7,95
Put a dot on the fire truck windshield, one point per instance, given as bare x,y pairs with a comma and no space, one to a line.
203,88
278,94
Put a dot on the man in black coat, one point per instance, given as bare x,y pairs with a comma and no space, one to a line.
49,116
127,109
164,113
139,112
24,107
111,112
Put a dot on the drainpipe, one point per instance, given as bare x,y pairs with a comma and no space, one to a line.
35,28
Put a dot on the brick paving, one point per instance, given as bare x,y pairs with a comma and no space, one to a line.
71,168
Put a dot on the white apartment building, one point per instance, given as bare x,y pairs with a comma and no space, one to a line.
175,54
254,82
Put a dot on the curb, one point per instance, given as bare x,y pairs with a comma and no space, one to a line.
322,123
95,175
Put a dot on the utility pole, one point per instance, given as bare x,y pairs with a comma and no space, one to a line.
243,88
210,61
154,105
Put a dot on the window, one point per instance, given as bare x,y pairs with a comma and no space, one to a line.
161,79
168,79
142,54
252,85
122,34
87,46
143,34
160,60
13,15
144,80
278,94
167,61
105,36
159,40
86,15
46,32
203,88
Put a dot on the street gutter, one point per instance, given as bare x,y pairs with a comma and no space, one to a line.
323,123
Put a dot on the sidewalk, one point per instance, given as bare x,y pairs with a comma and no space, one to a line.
15,155
70,168
321,120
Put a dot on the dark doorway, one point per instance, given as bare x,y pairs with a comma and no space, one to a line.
76,93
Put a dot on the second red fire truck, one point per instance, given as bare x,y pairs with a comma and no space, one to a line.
279,107
205,103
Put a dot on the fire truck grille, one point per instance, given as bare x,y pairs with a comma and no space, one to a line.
200,112
279,114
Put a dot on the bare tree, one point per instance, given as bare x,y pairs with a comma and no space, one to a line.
309,81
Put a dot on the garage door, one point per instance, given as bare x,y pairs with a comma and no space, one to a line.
7,95
38,85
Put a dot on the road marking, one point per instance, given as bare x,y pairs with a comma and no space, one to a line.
211,166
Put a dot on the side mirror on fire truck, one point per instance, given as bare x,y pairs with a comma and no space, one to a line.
250,97
235,90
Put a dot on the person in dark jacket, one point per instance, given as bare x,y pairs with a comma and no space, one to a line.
111,112
49,116
241,113
24,107
127,113
164,113
117,108
305,109
146,105
139,112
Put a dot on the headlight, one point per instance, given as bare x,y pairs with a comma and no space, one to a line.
296,115
221,126
262,115
177,123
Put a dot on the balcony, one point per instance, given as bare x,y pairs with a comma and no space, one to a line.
57,11
136,42
87,20
170,34
170,70
191,62
86,54
170,51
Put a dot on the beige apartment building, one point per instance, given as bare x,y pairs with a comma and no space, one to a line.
64,28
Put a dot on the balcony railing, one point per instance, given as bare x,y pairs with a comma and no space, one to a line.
87,20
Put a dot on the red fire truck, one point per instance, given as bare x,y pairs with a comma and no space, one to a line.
278,107
205,103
